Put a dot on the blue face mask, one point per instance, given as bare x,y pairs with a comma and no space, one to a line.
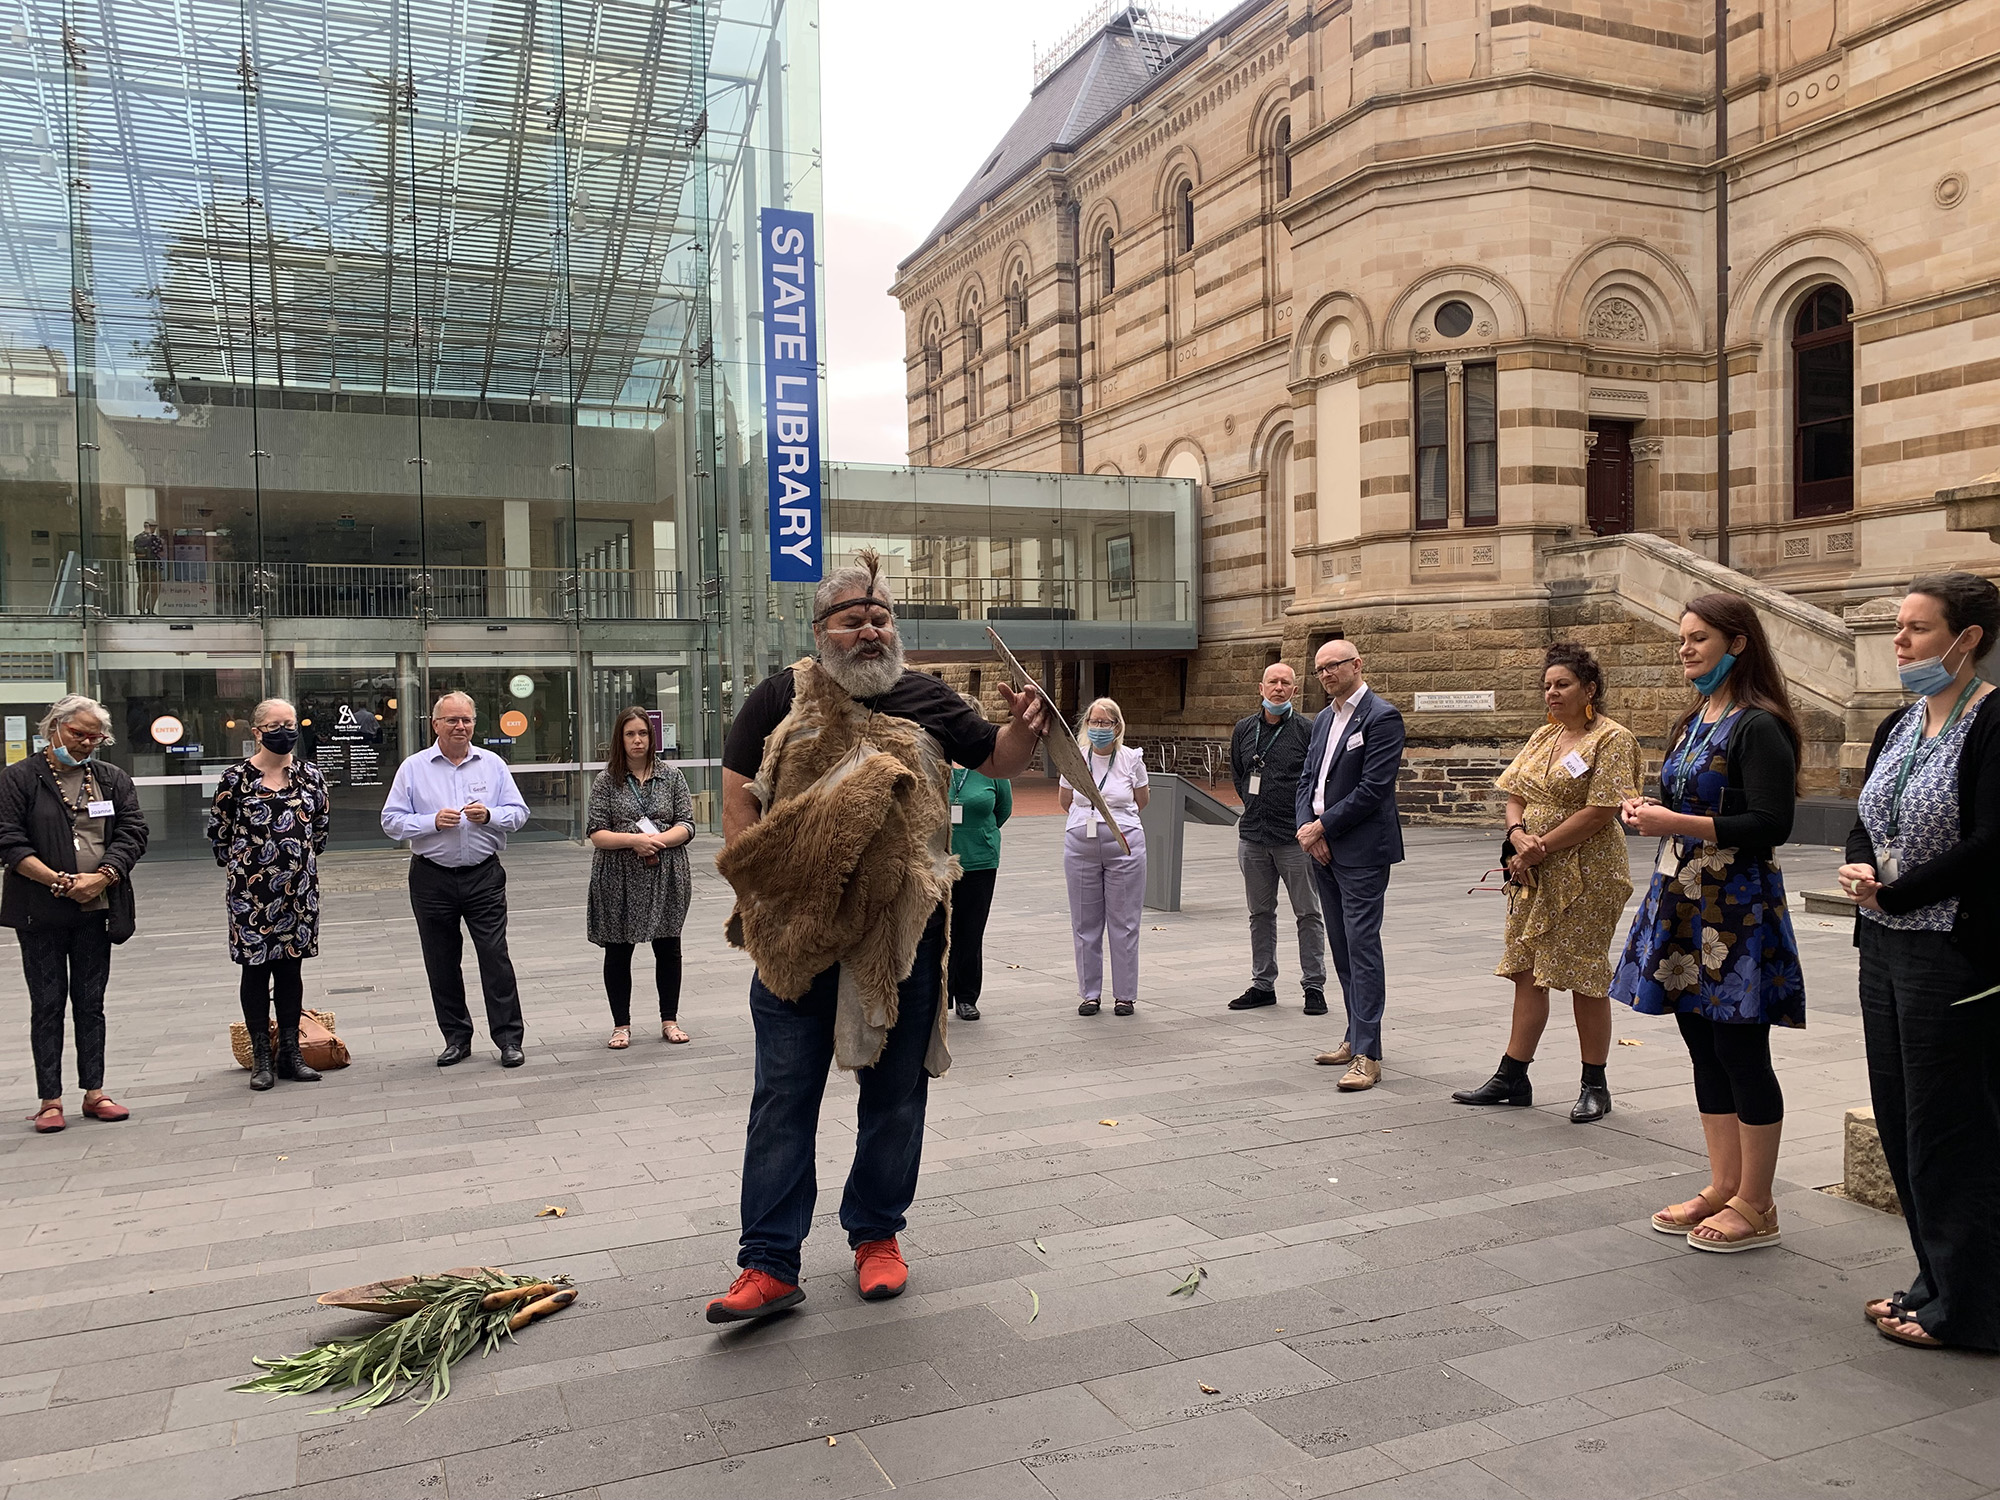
1102,739
1710,680
1927,677
63,754
1276,710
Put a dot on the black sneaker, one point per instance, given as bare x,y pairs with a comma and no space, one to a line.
968,1010
1253,998
1315,1000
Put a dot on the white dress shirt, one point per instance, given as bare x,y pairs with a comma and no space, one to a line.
1122,775
428,781
1341,719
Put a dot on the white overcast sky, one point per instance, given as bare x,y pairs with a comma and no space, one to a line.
915,95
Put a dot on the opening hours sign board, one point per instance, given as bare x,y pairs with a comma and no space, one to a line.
791,393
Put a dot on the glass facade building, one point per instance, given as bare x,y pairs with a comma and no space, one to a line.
352,351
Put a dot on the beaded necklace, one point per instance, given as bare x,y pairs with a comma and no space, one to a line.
79,808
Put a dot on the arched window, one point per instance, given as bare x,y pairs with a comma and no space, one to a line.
933,379
1281,148
1107,261
1278,512
1184,218
1017,342
1823,404
975,347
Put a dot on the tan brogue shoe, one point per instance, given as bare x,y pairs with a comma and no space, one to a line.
1341,1054
1365,1074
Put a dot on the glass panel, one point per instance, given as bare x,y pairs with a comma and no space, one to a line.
1482,482
1826,382
179,719
526,717
1433,486
1826,451
1482,423
359,715
1433,418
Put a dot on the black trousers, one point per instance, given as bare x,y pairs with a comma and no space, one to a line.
282,981
67,969
441,898
666,978
1934,1077
1732,1068
971,904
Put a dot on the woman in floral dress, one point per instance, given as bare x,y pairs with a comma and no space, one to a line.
1568,878
268,827
1712,943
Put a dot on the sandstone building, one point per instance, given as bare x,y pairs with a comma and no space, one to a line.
1424,295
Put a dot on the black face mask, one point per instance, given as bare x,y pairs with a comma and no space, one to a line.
279,741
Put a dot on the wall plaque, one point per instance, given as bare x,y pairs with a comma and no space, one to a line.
1455,703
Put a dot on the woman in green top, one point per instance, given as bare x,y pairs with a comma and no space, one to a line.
979,805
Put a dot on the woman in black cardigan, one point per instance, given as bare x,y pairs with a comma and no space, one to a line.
1924,864
70,833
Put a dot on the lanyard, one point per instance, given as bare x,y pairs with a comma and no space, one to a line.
1110,765
1920,752
1260,744
957,783
1691,754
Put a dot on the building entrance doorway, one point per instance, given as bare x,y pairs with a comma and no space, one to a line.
1608,479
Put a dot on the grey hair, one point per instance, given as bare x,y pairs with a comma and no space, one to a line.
74,706
1110,706
860,579
257,713
444,698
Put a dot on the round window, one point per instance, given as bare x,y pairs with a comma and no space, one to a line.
1452,319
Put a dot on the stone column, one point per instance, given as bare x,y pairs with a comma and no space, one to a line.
1454,405
1646,485
1877,689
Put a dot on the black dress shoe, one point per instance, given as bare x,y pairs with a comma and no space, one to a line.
968,1010
1254,998
1315,1000
1593,1104
512,1057
1507,1086
454,1052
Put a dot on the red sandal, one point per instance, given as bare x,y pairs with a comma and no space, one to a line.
104,1107
48,1119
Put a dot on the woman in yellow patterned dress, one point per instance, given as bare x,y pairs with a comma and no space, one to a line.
1568,879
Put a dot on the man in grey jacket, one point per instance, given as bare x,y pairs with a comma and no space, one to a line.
1267,755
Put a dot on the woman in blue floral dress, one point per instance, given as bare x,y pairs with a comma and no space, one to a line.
268,827
1712,944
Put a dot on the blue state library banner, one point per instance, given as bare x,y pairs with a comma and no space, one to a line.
791,393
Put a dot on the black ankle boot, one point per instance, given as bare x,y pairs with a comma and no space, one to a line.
1594,1102
260,1060
1508,1086
291,1066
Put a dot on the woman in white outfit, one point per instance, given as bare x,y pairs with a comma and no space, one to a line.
1107,886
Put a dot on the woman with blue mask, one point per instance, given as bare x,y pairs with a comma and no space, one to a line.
70,833
1712,944
268,827
1923,864
1107,886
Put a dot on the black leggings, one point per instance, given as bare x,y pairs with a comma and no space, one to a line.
971,901
1732,1069
283,980
666,977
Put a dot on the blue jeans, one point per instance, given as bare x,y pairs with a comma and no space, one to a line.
794,1050
1351,897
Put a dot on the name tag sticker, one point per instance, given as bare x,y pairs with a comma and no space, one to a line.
1354,742
1256,783
647,825
1888,864
99,809
1669,861
958,812
1090,826
1575,765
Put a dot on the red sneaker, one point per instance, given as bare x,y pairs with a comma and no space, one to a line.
753,1294
880,1269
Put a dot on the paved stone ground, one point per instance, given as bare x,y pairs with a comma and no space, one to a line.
1403,1297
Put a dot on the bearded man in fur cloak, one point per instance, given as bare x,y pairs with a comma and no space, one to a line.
836,827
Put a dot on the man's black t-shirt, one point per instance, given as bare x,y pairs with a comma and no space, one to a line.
966,735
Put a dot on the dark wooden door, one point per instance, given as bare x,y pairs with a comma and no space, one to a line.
1608,482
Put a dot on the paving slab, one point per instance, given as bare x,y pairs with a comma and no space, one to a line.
1402,1297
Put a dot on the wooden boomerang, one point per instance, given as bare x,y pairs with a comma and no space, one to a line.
1060,742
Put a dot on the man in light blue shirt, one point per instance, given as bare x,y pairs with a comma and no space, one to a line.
455,805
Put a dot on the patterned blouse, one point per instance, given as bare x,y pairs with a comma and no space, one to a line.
1928,825
631,901
269,841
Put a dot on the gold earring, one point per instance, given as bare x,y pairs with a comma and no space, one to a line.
1589,713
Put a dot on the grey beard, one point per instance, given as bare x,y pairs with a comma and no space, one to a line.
861,678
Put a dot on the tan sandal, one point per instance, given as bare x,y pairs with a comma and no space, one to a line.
1666,1221
621,1038
670,1031
1763,1231
1892,1329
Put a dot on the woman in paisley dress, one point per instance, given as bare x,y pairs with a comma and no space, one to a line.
1924,865
640,822
1712,944
268,826
1568,878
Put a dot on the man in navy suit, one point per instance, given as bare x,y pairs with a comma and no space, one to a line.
1347,822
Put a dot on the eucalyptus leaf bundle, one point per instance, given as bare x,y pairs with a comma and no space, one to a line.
460,1315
